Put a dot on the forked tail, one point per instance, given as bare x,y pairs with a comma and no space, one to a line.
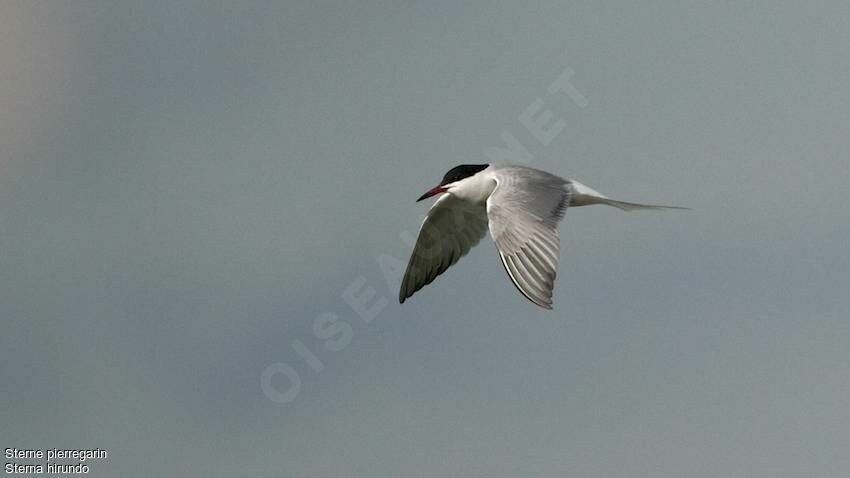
633,206
582,195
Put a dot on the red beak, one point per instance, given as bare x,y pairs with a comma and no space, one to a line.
431,192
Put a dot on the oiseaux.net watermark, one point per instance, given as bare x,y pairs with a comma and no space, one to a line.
281,382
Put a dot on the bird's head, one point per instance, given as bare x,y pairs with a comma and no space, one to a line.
453,177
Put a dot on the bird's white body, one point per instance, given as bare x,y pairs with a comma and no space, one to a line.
520,206
477,188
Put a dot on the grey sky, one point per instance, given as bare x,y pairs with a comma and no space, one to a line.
185,187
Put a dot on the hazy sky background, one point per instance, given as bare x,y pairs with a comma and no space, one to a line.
186,186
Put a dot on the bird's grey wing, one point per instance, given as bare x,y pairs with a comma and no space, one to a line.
450,229
524,210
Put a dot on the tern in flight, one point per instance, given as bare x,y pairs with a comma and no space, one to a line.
521,206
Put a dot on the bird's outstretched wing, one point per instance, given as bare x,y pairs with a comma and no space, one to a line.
524,211
450,229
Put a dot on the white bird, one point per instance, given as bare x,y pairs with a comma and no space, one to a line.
521,206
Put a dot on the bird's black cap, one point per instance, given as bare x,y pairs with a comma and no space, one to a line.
460,172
